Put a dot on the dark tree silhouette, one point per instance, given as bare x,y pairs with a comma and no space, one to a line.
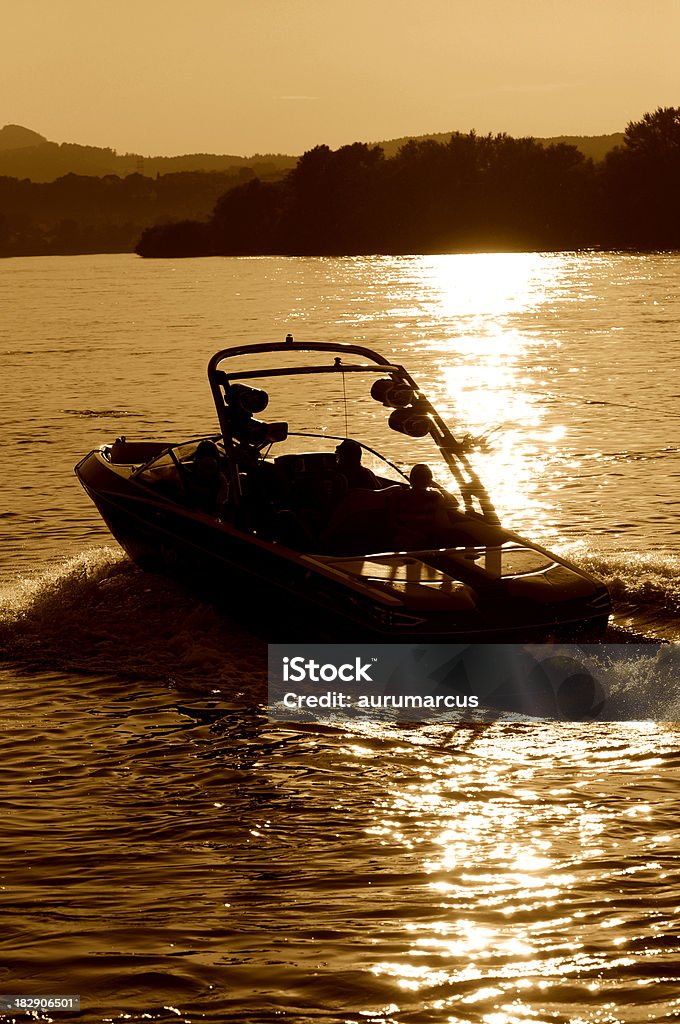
247,220
657,135
467,193
640,184
81,213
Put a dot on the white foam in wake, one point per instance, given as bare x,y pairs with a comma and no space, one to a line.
98,613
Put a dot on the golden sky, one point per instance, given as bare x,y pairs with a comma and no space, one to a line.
245,76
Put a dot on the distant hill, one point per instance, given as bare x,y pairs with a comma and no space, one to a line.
594,146
13,136
26,154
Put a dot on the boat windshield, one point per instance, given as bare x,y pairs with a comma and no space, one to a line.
181,453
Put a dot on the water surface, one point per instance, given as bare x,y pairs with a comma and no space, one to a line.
169,853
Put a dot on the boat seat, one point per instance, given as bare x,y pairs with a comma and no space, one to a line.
358,524
293,464
318,492
124,452
309,487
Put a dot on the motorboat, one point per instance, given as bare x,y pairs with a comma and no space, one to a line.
283,520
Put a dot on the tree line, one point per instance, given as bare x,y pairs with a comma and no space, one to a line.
84,214
470,193
462,192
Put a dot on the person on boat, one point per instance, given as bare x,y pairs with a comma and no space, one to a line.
348,458
419,515
207,486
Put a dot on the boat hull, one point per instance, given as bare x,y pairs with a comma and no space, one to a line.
302,596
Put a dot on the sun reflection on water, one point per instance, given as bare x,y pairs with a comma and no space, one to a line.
488,368
488,283
527,884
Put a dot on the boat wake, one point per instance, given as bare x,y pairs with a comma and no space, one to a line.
98,613
645,592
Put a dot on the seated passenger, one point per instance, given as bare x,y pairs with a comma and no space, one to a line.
348,457
207,486
164,478
418,515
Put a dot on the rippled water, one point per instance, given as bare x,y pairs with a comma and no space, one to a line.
167,852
